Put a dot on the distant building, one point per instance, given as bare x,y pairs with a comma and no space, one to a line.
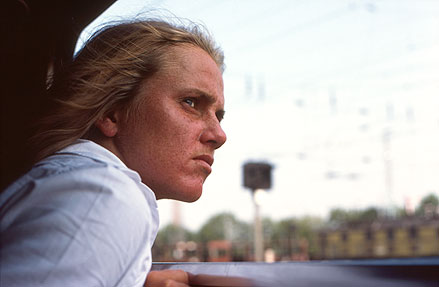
407,237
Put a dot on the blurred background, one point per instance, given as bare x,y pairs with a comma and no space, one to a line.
341,98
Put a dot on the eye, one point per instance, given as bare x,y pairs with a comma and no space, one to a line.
190,102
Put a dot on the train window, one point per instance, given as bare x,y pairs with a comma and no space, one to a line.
338,101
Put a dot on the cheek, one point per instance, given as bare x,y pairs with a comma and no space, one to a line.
178,131
168,143
167,134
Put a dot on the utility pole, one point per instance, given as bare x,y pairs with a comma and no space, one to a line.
257,177
388,170
257,230
387,157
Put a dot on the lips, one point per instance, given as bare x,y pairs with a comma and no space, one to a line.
206,162
206,158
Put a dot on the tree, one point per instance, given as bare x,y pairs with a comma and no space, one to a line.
429,206
339,215
289,235
224,226
354,216
167,239
171,234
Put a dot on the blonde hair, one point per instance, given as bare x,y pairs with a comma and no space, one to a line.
106,74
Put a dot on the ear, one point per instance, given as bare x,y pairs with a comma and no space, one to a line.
108,125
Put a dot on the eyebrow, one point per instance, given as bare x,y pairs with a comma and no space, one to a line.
210,99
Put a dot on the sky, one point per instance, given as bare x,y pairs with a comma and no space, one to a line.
340,96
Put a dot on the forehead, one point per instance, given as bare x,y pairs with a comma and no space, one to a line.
185,54
191,58
191,68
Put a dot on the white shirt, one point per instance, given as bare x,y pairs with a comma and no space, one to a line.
78,218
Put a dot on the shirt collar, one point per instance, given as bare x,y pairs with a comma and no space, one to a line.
91,149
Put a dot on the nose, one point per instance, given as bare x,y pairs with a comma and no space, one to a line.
213,135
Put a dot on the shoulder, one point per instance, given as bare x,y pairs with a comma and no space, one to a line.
80,185
62,178
80,215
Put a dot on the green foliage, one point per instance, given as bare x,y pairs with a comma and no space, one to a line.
268,228
343,216
171,234
289,234
428,206
286,237
166,240
224,226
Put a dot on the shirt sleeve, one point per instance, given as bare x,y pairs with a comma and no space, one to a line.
91,228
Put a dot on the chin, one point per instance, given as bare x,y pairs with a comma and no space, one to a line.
188,193
190,196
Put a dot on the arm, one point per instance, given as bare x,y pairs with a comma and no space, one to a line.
167,278
180,278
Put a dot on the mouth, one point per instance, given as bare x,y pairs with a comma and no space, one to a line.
206,161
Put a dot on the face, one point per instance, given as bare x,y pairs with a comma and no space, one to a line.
171,139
